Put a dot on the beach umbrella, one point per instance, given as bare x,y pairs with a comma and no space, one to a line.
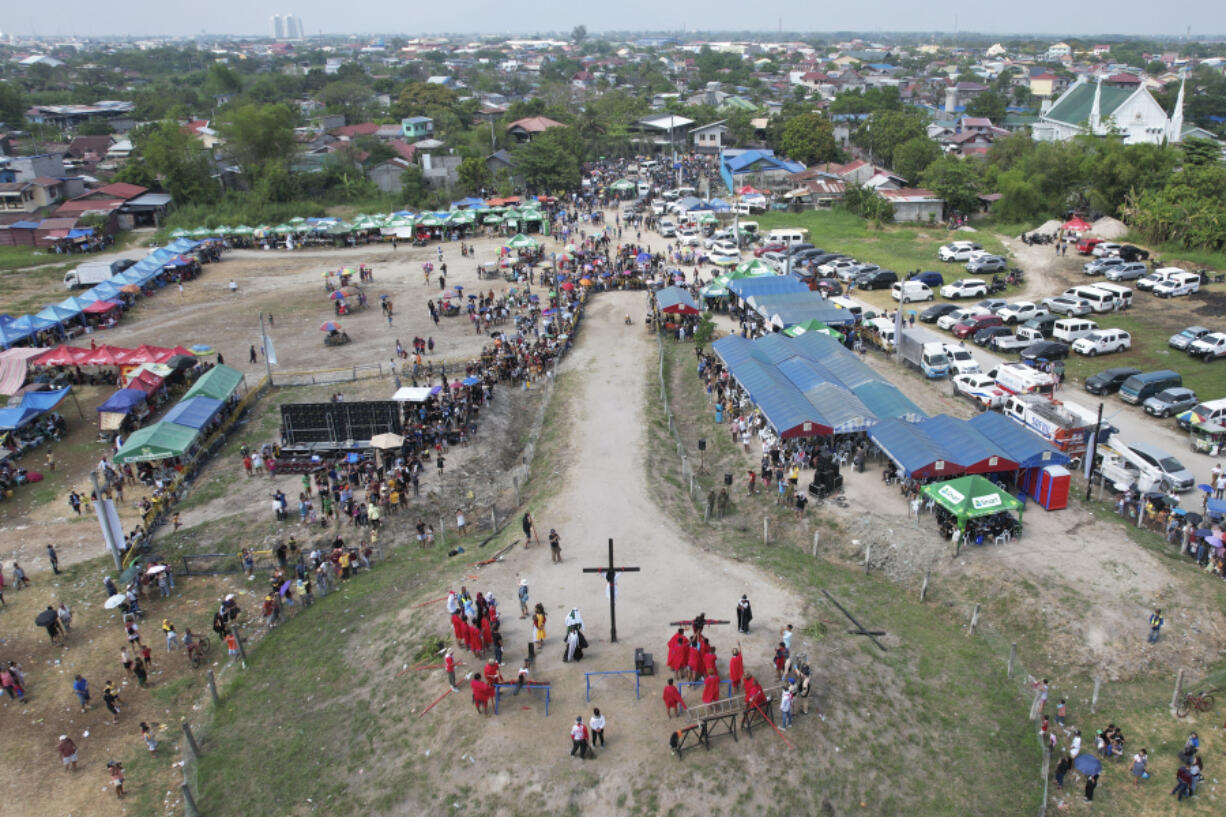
1087,764
130,572
587,282
519,241
568,286
491,220
471,381
114,601
643,257
201,232
155,569
202,350
242,229
330,326
46,617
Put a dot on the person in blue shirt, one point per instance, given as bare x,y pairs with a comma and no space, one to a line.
81,687
1155,625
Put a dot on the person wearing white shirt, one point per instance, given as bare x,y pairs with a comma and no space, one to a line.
1075,749
597,726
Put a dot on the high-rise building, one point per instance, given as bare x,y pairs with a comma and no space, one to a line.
278,27
293,27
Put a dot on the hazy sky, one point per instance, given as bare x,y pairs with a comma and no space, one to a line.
135,17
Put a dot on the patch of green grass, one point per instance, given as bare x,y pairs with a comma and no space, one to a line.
1175,254
12,258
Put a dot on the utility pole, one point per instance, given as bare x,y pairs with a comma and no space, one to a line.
1091,451
265,347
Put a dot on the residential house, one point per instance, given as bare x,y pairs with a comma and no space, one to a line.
1101,110
17,197
28,168
1058,52
417,127
914,204
710,139
387,175
526,129
662,133
759,168
88,149
1046,84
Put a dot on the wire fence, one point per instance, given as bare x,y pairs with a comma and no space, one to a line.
340,374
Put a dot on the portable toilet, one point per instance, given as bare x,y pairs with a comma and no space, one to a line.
1051,492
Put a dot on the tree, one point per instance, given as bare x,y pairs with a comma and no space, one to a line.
578,34
551,160
419,98
989,105
954,180
94,127
349,99
808,138
175,160
259,136
474,176
413,187
12,104
913,156
886,130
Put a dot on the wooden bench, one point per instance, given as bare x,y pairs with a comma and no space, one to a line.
715,726
685,739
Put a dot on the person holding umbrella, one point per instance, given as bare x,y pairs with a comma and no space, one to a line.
51,621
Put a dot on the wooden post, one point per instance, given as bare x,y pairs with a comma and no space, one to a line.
191,740
691,486
974,620
189,802
213,689
817,535
515,482
765,531
1178,689
238,639
868,557
1098,682
442,531
1012,657
924,586
493,519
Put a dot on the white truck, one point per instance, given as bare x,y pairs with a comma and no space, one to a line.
1018,378
91,273
923,349
1066,427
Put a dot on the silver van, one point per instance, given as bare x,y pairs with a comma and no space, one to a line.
1100,299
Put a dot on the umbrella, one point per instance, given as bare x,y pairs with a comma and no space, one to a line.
1214,541
45,617
388,440
1203,487
568,286
336,295
181,362
1087,764
330,326
1194,518
1204,532
115,600
130,572
156,569
643,257
471,381
352,458
457,385
202,350
587,282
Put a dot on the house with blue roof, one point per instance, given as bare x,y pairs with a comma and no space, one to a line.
758,167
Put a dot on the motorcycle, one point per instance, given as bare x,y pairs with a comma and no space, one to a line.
997,285
1016,276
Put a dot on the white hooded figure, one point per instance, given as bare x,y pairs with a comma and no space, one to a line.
573,618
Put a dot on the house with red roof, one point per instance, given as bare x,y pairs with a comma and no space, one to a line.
525,129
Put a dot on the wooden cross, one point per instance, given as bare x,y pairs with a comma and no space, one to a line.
860,629
610,574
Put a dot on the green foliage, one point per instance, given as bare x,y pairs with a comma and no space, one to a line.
1190,210
913,156
12,103
989,104
1113,170
473,176
704,330
871,100
808,138
578,34
261,140
413,188
168,158
865,202
95,127
954,180
885,130
347,98
423,99
551,160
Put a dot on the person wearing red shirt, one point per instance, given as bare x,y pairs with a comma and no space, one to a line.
460,628
482,693
710,689
694,658
449,666
736,668
672,699
676,652
474,639
708,664
492,674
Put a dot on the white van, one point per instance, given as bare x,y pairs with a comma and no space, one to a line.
788,235
1123,295
1069,329
907,291
854,307
1100,300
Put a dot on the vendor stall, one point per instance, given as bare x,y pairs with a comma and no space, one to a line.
156,442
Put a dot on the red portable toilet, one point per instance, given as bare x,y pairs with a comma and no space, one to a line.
1053,486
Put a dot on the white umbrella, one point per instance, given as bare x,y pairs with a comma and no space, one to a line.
115,600
153,571
387,440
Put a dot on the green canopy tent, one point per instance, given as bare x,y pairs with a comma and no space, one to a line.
201,232
242,229
429,220
492,220
180,233
971,496
339,228
748,269
218,382
754,266
519,241
796,330
156,442
623,186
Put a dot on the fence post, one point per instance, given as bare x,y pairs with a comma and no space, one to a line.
974,620
817,535
493,518
924,586
189,802
191,740
213,689
868,557
1098,682
238,639
442,531
1012,657
1178,689
766,531
515,482
691,486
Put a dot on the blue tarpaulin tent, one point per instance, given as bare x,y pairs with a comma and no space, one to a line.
9,335
44,400
106,291
32,323
977,453
676,301
886,400
786,409
918,455
14,418
122,401
745,288
194,412
58,313
1025,447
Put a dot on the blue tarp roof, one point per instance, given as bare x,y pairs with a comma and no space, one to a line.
676,300
765,285
76,303
976,452
719,205
103,292
886,400
194,412
786,409
1026,448
44,400
123,401
9,335
58,313
844,412
13,418
917,454
790,315
33,323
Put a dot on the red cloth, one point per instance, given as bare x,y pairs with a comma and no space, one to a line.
491,671
708,665
473,636
457,624
672,698
694,658
449,663
487,635
676,653
736,668
482,692
710,689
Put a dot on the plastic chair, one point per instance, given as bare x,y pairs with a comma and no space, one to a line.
1004,537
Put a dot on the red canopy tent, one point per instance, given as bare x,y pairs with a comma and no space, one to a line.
145,381
147,354
105,355
1077,225
178,350
61,355
101,307
749,191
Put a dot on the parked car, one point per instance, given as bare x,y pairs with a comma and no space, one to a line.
1130,253
961,361
1104,248
965,288
1127,271
951,319
985,336
1065,305
985,264
935,312
908,291
1102,341
933,280
1044,351
1184,338
1020,312
1174,474
689,237
971,325
1182,283
1108,381
1148,282
1170,401
852,273
981,388
957,251
1010,343
770,246
1086,245
991,304
1040,327
830,286
836,265
1210,347
724,246
1099,266
877,279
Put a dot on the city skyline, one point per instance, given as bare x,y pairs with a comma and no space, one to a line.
1204,18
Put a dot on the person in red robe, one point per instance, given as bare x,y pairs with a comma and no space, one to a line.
672,699
487,635
482,693
460,628
755,696
493,675
694,657
676,652
708,664
736,668
474,639
710,689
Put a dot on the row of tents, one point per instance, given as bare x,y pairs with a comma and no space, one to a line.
101,299
176,434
